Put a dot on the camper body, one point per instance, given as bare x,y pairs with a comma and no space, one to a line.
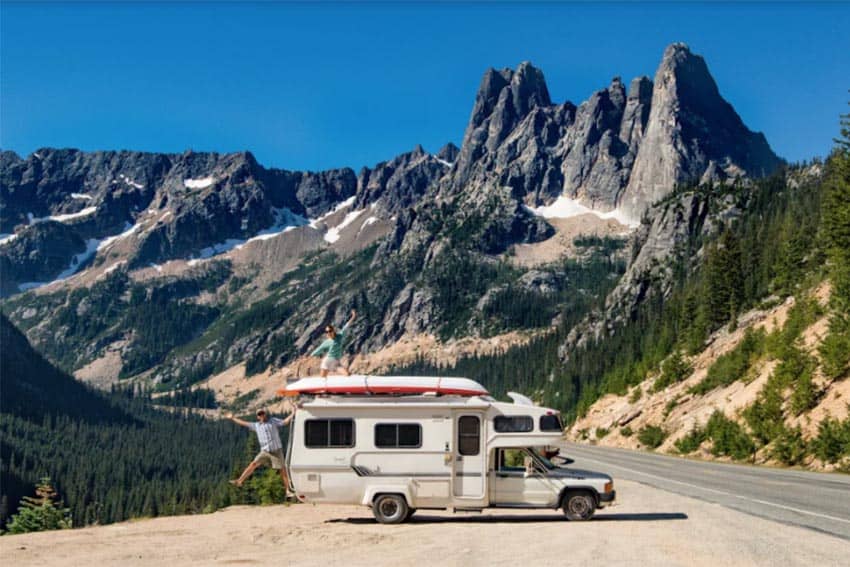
397,454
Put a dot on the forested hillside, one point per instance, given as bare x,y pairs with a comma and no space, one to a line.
109,457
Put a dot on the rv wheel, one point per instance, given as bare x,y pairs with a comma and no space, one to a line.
390,508
579,506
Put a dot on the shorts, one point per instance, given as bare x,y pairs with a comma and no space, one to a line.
273,459
330,364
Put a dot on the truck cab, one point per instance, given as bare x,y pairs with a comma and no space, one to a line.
525,477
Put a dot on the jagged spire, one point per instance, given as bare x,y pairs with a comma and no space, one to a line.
449,152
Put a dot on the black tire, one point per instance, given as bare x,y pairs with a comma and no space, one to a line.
579,506
390,508
410,512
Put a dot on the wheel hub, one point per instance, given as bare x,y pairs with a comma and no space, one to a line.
389,508
578,506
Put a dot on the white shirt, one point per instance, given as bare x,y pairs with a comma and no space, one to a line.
267,434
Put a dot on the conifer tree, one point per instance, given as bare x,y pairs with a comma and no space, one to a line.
835,350
40,513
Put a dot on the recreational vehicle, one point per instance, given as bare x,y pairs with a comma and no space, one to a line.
424,448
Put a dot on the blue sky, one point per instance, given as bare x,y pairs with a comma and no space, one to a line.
330,85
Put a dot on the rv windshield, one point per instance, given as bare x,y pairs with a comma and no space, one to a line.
539,455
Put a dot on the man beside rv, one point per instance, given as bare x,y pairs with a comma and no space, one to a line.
271,448
331,347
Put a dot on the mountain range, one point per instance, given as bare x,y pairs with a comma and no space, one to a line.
172,268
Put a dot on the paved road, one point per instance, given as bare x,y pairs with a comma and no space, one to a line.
818,501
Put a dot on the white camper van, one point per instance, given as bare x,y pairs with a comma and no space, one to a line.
400,453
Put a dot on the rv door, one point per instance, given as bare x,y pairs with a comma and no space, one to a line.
469,457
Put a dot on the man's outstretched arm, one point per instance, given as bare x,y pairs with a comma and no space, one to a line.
236,420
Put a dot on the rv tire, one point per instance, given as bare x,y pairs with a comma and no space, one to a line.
579,505
390,508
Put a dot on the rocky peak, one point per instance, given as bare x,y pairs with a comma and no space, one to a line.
448,153
399,183
636,113
504,99
640,90
617,92
528,89
692,135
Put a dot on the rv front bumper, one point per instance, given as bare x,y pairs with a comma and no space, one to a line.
607,497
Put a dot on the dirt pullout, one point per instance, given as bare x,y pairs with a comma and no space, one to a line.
561,244
649,527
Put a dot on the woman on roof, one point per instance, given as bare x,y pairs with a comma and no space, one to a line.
331,347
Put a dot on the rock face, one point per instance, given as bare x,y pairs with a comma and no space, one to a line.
623,149
38,254
658,243
692,135
629,149
400,183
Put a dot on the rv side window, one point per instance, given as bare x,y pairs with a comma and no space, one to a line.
328,433
551,423
468,435
398,435
513,423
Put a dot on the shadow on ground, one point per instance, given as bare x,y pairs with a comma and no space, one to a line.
471,519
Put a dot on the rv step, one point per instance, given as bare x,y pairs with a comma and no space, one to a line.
476,510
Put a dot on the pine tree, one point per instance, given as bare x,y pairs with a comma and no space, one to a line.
836,229
40,513
725,279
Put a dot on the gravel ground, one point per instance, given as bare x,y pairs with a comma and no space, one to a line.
647,527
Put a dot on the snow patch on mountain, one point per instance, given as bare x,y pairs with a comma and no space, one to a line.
62,218
564,208
76,263
198,183
285,220
129,181
332,235
128,230
442,161
314,223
